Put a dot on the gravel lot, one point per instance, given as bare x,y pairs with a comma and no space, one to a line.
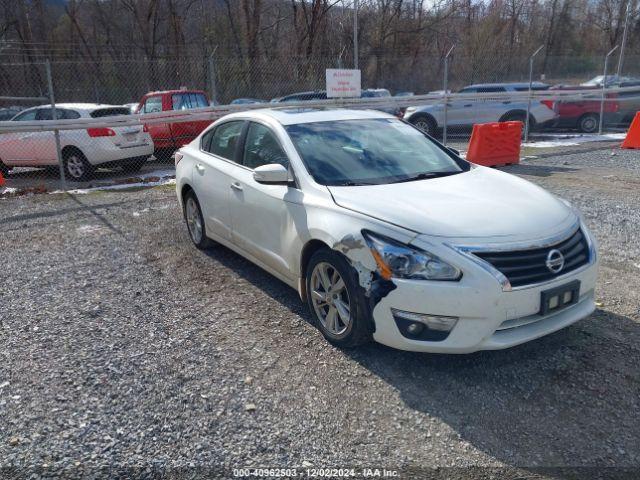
123,347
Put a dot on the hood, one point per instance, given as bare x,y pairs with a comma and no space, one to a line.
479,203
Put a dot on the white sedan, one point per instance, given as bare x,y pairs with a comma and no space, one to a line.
82,150
385,233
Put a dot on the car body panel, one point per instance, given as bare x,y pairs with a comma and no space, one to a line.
39,148
271,225
171,135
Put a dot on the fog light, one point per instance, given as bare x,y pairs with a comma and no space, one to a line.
415,328
420,326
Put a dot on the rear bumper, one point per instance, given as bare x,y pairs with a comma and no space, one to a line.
111,153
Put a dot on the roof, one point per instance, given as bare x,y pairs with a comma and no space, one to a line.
296,115
177,90
506,84
79,106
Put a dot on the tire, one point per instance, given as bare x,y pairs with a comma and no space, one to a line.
520,117
133,166
425,123
4,169
343,327
163,154
195,221
76,166
589,123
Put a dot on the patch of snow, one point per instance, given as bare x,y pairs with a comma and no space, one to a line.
568,140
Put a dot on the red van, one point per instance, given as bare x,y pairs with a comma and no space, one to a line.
168,137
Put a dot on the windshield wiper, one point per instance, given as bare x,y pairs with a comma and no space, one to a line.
350,183
426,175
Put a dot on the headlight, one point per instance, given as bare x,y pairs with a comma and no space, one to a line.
394,259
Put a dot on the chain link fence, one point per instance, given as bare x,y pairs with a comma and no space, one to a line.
111,122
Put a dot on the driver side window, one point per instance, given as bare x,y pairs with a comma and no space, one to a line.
262,148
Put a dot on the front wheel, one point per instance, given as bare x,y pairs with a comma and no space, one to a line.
336,301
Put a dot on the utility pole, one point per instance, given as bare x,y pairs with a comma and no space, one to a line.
604,86
355,34
526,120
624,38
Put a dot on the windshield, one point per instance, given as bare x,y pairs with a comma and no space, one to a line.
370,152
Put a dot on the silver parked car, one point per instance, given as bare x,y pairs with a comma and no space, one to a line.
464,112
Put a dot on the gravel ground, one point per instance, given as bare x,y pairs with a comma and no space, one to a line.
126,351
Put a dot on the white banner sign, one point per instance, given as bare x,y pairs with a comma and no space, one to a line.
343,83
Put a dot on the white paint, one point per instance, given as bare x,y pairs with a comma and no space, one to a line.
343,83
270,225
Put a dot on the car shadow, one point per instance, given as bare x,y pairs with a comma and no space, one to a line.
536,170
567,399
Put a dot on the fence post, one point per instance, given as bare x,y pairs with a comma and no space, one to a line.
445,86
526,120
212,78
56,132
604,86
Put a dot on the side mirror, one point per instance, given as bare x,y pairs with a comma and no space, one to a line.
273,173
454,151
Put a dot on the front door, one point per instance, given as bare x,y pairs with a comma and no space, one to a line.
262,215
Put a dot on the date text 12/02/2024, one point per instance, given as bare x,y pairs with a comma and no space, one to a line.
315,472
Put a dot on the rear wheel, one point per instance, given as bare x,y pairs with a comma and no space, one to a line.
425,123
335,299
589,123
195,221
76,166
4,169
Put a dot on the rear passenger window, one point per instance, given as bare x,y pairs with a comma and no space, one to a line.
490,89
61,114
225,139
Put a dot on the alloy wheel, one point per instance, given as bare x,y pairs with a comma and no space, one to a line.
330,299
75,166
194,221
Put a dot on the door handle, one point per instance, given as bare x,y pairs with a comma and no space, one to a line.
469,105
200,168
236,186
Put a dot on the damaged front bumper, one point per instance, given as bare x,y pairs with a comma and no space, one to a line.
488,318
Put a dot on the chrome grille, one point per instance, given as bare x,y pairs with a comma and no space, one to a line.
524,267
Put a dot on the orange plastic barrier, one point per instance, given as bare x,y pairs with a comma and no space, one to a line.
494,144
632,140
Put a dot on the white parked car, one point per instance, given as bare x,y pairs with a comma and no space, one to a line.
82,150
386,233
463,113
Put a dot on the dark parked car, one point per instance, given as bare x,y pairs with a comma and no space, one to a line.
246,101
8,113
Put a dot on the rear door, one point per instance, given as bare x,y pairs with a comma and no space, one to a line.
214,169
489,108
44,143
